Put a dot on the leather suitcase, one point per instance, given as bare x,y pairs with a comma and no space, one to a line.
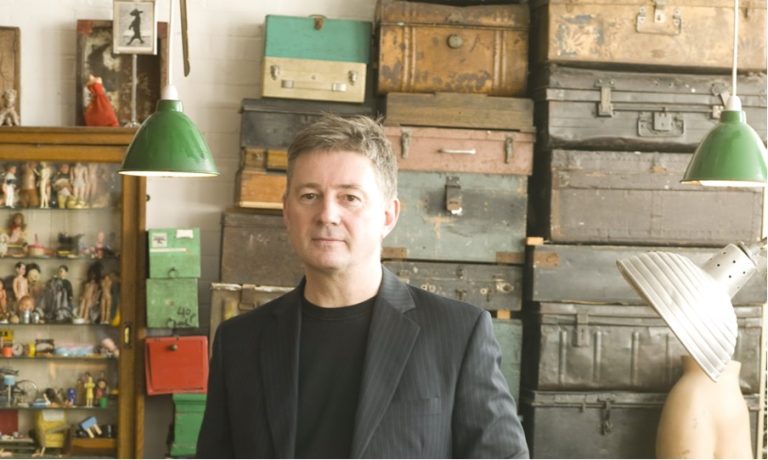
453,110
618,347
273,123
610,424
469,49
229,300
612,110
603,197
677,34
492,287
260,181
316,58
462,150
255,250
459,217
588,274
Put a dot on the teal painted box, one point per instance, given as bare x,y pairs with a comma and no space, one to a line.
316,58
187,420
172,303
509,334
174,253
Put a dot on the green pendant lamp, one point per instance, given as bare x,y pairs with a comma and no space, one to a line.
168,144
732,154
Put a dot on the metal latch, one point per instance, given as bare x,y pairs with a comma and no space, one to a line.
353,77
509,143
453,201
248,299
274,71
660,124
405,142
605,106
582,330
662,121
606,425
659,25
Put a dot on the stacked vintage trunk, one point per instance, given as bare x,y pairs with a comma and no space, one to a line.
454,78
312,65
624,92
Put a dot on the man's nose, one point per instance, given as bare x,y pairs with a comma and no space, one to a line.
329,211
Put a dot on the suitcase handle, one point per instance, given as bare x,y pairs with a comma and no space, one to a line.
659,24
336,87
458,151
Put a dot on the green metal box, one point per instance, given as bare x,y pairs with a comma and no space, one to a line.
174,253
186,423
509,334
172,303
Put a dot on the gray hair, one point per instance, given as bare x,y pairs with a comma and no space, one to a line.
360,134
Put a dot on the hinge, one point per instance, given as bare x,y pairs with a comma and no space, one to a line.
605,106
582,330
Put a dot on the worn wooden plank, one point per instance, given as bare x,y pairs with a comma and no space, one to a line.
588,274
637,198
677,34
472,49
260,189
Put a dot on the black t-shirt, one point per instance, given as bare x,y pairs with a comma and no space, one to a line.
331,355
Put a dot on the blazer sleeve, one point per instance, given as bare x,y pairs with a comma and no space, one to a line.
214,440
485,421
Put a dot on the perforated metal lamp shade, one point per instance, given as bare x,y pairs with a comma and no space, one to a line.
732,154
168,144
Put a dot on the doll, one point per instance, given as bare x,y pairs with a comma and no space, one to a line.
16,230
8,114
99,111
9,186
45,184
28,196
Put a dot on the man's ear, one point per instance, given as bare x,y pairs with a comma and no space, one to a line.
391,214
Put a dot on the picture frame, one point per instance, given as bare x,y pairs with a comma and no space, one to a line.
94,56
134,27
10,62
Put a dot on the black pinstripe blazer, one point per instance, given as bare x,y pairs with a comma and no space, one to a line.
431,384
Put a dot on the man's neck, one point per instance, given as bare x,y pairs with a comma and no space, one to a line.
341,290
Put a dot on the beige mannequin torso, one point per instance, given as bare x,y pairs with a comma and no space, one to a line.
705,419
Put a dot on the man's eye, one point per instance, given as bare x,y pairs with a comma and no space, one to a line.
352,198
308,196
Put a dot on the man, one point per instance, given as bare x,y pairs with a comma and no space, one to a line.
354,363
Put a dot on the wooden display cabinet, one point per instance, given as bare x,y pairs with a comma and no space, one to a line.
103,224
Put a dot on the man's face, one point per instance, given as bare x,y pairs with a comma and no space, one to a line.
335,212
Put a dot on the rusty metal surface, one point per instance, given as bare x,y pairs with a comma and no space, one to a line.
488,216
492,287
588,274
614,347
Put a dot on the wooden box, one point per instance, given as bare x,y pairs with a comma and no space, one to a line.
588,274
492,287
174,252
677,34
273,123
455,110
609,424
176,364
462,150
255,250
585,196
470,49
172,303
317,58
460,217
613,110
229,300
619,347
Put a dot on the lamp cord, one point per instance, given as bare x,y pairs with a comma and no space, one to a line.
735,42
170,42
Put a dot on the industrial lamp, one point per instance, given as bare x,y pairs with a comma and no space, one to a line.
732,154
168,144
694,301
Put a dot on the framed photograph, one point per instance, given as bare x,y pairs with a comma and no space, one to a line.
94,56
10,67
134,27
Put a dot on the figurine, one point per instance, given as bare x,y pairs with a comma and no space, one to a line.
109,349
45,174
8,114
3,244
17,229
61,183
9,186
89,386
71,397
28,196
105,302
90,294
99,111
20,282
100,248
3,301
58,296
79,185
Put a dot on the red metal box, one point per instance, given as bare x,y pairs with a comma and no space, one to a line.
176,364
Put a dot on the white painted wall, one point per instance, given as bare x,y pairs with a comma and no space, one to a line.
226,45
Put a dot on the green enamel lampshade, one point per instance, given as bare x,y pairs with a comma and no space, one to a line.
168,144
732,154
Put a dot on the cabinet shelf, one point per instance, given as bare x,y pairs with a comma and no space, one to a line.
61,358
68,409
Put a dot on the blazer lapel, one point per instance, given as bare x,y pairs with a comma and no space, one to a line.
280,373
391,337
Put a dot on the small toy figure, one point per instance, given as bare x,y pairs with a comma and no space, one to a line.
71,397
8,114
61,183
105,303
45,174
109,349
3,300
28,196
17,229
91,293
20,282
89,386
3,244
57,304
99,111
9,186
79,185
